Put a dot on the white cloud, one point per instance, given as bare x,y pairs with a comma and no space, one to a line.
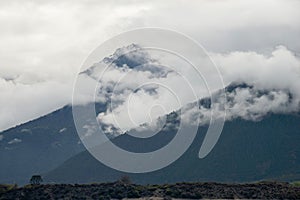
246,103
274,81
62,130
279,70
15,141
25,130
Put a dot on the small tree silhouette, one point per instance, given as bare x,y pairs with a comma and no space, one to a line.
36,180
125,180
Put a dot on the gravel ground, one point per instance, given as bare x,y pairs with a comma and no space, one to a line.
119,190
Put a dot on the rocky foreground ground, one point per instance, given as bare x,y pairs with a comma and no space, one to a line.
120,190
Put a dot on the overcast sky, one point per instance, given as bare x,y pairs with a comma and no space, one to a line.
44,43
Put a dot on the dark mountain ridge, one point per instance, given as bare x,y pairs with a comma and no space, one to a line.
246,151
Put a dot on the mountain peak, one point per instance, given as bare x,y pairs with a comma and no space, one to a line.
235,85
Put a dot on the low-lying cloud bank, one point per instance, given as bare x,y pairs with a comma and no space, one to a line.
268,84
245,102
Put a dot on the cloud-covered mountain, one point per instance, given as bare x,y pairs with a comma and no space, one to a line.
138,88
260,114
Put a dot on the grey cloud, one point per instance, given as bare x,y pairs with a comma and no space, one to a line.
225,26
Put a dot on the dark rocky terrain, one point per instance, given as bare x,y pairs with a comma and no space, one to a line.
122,190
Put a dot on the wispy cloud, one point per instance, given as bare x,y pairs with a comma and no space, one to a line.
14,141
